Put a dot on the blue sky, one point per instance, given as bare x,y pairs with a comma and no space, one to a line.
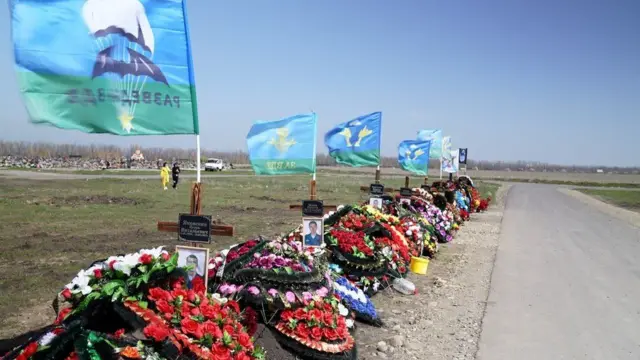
553,81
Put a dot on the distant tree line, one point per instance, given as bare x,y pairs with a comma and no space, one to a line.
50,150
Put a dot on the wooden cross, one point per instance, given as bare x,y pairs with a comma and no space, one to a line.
313,196
390,190
195,209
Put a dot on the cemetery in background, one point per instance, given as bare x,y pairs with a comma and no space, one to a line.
95,157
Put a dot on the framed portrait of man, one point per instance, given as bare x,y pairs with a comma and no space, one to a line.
194,260
312,232
406,201
375,202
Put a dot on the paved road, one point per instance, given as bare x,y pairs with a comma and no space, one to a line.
566,282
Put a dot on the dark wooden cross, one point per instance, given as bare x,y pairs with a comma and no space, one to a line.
313,196
390,190
195,209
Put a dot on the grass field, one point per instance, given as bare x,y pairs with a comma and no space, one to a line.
50,229
628,199
557,178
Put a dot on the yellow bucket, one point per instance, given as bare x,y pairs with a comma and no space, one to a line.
419,265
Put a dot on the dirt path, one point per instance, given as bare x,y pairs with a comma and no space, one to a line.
443,321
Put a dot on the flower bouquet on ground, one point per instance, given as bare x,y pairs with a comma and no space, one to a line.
135,307
317,330
357,301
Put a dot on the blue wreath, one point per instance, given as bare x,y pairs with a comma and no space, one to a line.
354,304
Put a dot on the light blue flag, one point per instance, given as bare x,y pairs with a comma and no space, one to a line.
436,141
413,156
356,142
286,146
104,66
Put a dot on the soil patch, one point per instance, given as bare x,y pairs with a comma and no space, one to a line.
75,201
268,198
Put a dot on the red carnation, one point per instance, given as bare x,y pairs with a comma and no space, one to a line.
234,305
302,331
208,311
314,314
146,259
164,307
191,327
62,315
330,334
28,351
66,293
229,330
118,333
156,332
165,256
316,333
286,315
300,314
198,286
327,318
157,294
242,356
245,341
97,273
179,292
213,329
220,352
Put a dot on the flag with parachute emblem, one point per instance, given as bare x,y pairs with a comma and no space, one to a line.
356,142
102,66
436,141
413,156
286,146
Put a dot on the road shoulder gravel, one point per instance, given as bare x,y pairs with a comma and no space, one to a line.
444,320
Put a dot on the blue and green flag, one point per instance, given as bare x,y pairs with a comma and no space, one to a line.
356,142
436,141
286,146
413,156
98,66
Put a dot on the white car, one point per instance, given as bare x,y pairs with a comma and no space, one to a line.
214,165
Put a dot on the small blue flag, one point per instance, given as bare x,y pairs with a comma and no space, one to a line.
413,156
436,141
286,146
356,142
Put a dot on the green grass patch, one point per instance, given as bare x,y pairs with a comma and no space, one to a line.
628,199
569,182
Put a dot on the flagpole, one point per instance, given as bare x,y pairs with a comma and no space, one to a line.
198,158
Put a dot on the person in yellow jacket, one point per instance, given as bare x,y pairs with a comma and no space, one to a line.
164,175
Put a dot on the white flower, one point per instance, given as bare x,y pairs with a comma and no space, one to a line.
47,338
153,252
339,207
81,281
343,310
219,298
349,323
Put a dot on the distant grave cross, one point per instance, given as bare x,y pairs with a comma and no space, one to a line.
313,196
195,209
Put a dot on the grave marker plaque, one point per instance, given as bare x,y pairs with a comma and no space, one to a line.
194,228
